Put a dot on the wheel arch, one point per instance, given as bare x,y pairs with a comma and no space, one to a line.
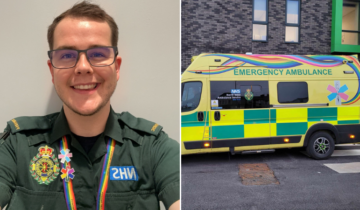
322,127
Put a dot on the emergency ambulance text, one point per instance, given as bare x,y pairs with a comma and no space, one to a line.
281,72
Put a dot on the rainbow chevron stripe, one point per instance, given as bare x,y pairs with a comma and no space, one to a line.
272,61
105,175
68,186
355,66
284,61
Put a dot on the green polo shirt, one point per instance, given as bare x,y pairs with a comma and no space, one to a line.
31,178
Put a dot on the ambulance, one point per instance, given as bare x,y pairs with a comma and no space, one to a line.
245,103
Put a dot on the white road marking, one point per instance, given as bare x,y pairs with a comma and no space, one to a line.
350,152
345,167
342,145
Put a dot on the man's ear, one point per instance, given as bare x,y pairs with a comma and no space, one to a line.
117,66
51,70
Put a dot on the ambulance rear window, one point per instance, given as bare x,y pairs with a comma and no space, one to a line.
190,95
293,92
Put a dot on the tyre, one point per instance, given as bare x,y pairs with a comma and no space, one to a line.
321,145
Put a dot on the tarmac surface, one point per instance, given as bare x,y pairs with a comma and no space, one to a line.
212,181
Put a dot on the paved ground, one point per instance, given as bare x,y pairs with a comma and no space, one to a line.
211,181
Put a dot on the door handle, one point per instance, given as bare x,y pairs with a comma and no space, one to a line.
217,115
200,116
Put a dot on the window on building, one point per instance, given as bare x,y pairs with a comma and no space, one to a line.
190,95
292,28
350,23
260,20
239,94
292,92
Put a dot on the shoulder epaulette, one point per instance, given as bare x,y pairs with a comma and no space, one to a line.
140,124
30,123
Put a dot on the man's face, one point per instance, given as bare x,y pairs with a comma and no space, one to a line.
84,89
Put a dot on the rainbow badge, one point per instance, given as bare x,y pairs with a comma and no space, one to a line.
67,173
65,155
44,167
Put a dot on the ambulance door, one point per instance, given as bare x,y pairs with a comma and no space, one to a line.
226,115
257,116
194,116
239,114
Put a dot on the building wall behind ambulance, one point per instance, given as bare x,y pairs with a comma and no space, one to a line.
226,27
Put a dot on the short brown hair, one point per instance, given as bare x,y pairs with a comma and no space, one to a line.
87,10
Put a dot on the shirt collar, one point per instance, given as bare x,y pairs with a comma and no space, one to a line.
112,128
61,127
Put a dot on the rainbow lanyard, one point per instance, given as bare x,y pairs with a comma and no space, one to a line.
67,175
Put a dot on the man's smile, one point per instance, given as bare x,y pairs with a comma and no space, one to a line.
88,88
85,86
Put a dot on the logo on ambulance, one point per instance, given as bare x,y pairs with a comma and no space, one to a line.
337,92
249,95
235,91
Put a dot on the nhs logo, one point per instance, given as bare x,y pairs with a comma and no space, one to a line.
234,91
121,173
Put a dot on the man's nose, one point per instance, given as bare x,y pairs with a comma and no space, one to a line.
83,66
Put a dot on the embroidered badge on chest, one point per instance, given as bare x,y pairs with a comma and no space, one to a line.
44,167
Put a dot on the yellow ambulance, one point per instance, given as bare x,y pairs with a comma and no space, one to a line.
256,103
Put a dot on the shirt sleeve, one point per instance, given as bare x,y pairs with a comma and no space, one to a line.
7,169
166,167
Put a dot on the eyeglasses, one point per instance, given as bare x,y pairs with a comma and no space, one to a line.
97,56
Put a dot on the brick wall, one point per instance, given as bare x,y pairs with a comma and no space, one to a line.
225,26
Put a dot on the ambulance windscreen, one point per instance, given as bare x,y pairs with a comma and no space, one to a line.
190,95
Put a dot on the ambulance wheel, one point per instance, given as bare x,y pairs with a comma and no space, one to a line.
321,145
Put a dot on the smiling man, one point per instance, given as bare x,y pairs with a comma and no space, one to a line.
86,156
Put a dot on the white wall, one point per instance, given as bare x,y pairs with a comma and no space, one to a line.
149,42
350,22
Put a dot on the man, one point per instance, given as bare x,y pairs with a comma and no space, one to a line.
86,156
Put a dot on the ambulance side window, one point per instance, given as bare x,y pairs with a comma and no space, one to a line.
292,92
239,94
190,95
224,95
254,94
